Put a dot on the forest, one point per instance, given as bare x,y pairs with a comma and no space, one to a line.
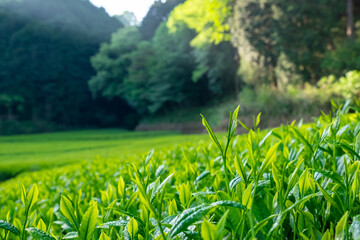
68,64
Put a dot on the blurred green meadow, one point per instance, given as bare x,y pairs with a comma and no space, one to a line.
36,151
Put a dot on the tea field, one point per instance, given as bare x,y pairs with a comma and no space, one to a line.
37,151
291,182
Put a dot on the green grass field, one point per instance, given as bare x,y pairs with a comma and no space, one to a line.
37,151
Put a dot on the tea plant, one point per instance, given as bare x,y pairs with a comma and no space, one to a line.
291,182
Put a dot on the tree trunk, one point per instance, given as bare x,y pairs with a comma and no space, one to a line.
350,19
273,79
236,82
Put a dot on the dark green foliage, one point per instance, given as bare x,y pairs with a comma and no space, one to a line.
39,234
184,53
171,81
301,30
345,57
255,27
112,62
218,65
151,75
140,70
9,227
157,14
46,46
160,71
307,29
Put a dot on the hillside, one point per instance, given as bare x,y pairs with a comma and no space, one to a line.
46,47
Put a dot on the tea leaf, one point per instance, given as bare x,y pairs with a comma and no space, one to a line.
67,209
71,235
188,217
211,133
9,227
39,234
132,228
103,236
208,231
341,227
114,224
328,197
31,197
234,182
88,223
303,140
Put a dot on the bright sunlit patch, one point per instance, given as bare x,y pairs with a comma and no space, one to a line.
113,7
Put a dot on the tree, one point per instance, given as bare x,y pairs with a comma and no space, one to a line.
307,30
255,35
218,65
112,61
12,103
157,14
160,74
153,76
350,19
128,19
45,49
216,59
171,81
137,84
209,18
298,31
342,59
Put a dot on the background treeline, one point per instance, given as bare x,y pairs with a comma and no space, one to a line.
68,63
155,67
272,56
45,48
